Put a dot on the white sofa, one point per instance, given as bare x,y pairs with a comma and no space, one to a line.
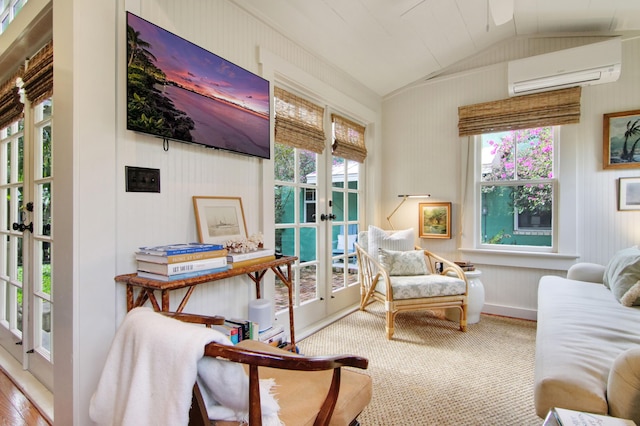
588,343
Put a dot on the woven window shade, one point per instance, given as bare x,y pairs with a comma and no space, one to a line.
38,77
298,122
11,108
348,139
522,112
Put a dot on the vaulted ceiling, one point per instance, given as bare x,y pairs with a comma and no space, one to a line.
388,44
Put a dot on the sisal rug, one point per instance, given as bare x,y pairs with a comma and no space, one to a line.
433,374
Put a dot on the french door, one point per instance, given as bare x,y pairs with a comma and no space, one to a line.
317,214
25,228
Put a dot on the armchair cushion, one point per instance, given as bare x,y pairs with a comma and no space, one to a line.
622,274
399,263
419,286
398,240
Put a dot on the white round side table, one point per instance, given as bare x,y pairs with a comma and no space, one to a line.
475,301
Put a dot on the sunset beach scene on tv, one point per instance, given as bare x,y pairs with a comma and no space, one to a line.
177,90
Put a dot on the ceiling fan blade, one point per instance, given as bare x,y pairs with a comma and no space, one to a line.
501,11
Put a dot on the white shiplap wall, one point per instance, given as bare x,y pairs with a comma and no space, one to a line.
422,153
143,219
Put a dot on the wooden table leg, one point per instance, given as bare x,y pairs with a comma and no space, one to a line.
129,297
286,279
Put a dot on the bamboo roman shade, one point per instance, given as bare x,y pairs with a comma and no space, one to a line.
298,122
521,112
38,77
348,139
10,106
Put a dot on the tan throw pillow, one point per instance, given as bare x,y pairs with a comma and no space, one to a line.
403,263
622,275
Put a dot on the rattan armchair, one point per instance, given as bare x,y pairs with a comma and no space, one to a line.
447,288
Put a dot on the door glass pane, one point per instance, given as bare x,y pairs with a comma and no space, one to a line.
337,197
18,308
46,151
308,170
308,280
284,204
44,192
46,314
284,163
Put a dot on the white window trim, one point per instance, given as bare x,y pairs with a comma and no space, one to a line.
566,222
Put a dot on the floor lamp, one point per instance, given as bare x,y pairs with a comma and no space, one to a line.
404,198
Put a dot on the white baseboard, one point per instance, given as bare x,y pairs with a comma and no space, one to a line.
510,311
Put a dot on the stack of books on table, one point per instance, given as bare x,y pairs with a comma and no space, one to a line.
181,261
274,335
238,330
465,265
261,255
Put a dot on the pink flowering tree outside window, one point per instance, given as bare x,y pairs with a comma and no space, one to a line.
520,162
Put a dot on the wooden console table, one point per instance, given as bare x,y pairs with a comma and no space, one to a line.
147,287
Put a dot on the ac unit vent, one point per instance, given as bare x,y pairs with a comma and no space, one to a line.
587,65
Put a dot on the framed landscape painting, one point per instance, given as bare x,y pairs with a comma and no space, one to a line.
435,220
219,219
621,134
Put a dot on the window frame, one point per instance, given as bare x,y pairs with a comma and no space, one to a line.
478,208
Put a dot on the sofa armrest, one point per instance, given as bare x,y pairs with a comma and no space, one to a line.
623,387
589,272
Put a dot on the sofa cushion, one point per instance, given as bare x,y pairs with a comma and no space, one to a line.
411,262
581,330
621,275
394,240
623,387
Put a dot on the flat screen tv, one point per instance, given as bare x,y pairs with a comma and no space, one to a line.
179,91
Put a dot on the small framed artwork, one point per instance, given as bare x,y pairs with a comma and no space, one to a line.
219,219
629,194
435,220
621,134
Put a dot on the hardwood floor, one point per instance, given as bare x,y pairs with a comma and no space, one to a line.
15,408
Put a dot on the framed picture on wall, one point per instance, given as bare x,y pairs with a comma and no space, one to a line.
621,134
435,220
629,194
219,219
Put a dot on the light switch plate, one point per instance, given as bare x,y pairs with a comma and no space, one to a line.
140,179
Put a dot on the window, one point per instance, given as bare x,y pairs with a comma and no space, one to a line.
517,183
8,11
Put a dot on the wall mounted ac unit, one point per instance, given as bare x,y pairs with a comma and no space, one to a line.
587,65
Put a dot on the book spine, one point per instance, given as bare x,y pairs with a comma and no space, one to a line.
179,258
182,267
239,331
243,263
244,325
237,257
186,249
185,276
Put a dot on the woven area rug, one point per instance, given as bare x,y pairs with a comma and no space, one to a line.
433,374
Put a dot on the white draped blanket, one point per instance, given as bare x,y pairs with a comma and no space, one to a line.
152,366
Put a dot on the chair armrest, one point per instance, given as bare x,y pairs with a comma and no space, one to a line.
283,359
370,270
195,319
448,266
584,271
